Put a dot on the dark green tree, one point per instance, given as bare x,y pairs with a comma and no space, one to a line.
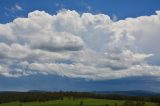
81,103
106,105
158,104
115,104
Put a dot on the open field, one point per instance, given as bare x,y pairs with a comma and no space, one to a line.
74,102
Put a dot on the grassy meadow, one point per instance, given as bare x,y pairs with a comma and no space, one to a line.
74,102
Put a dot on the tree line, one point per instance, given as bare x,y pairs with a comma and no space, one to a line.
45,96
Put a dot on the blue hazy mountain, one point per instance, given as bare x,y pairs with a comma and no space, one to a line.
131,93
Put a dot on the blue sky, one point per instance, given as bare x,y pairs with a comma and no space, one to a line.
80,45
122,9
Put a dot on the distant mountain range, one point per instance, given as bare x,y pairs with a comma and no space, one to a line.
131,93
127,93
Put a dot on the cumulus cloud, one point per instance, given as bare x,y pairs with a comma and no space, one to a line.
79,45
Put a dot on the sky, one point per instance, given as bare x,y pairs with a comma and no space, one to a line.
79,45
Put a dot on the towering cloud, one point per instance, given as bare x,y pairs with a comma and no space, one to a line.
80,46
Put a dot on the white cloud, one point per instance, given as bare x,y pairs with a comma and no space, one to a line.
59,5
18,7
14,8
79,45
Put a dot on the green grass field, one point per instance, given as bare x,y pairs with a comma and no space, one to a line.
71,102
